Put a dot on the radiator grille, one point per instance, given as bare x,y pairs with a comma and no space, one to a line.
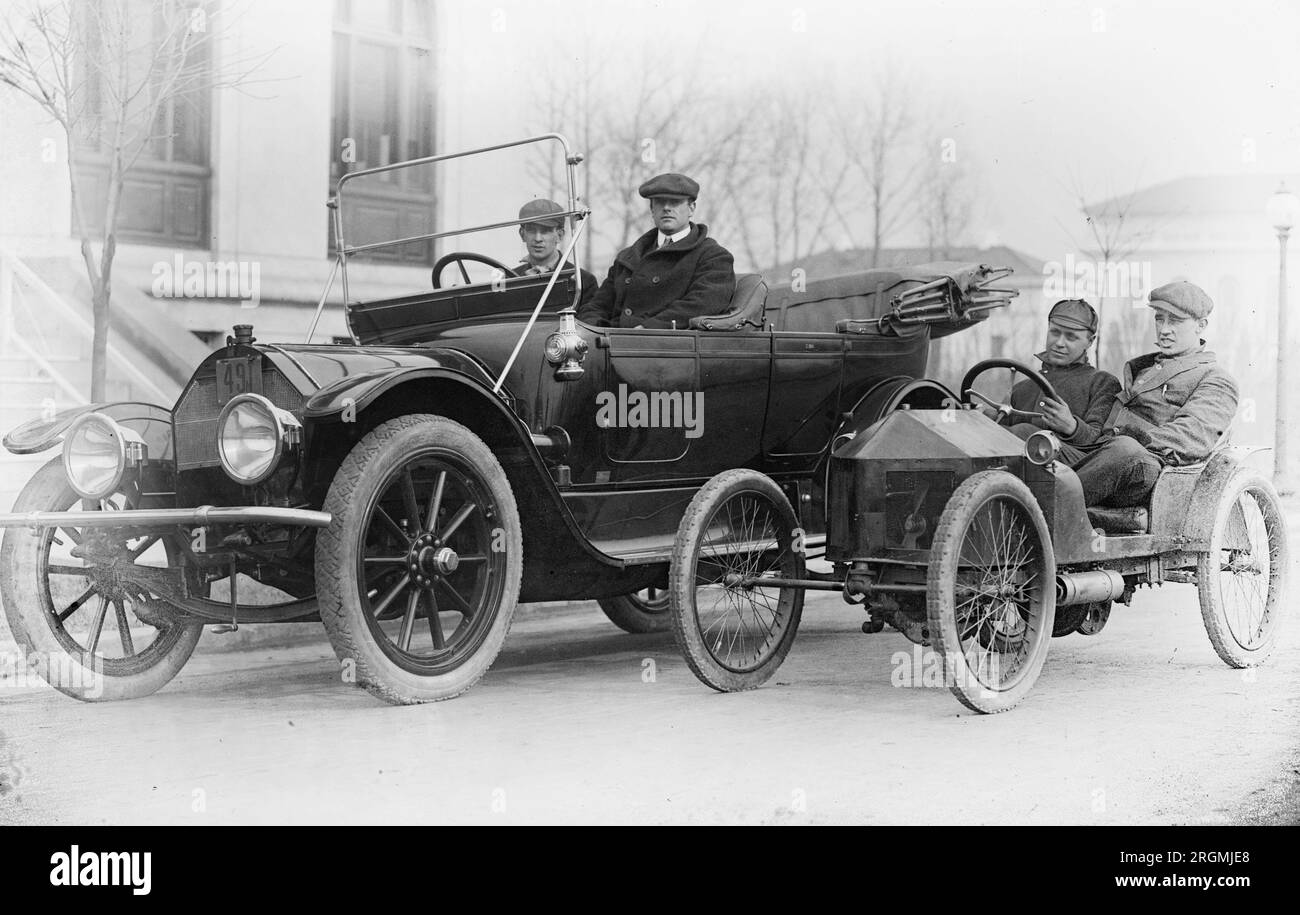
196,416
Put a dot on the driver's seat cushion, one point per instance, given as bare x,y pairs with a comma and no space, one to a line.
746,308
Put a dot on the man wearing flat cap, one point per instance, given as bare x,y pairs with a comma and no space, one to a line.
1086,392
543,237
1176,404
669,275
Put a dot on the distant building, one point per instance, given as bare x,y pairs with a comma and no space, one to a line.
1213,232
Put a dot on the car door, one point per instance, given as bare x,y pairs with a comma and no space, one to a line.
804,397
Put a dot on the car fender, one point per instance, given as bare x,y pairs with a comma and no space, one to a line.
556,551
1197,515
891,394
359,390
153,422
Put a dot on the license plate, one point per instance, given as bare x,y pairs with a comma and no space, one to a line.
238,376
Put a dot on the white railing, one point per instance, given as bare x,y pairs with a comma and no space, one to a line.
17,283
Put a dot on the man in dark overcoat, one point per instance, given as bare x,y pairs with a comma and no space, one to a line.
670,274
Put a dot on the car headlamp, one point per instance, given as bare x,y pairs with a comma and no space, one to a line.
97,452
565,349
252,434
1042,447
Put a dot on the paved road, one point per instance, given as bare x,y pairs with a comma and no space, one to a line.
580,723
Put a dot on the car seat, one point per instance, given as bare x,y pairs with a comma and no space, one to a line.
746,308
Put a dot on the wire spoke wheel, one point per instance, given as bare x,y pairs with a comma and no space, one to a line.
1240,578
420,569
84,602
990,589
734,630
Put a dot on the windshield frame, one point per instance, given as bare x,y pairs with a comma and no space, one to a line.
343,250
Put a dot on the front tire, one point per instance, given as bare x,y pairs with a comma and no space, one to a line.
733,631
990,589
424,529
1240,579
73,616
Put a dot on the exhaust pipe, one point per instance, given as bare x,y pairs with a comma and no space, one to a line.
1086,587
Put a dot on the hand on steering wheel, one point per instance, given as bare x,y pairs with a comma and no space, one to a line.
969,394
460,258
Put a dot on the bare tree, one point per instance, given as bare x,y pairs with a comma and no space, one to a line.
785,176
877,134
945,198
1115,237
629,129
103,71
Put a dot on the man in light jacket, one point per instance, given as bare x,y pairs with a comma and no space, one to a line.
1176,404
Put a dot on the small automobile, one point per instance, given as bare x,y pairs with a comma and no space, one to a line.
473,447
944,525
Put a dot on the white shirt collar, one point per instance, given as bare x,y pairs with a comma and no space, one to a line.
666,239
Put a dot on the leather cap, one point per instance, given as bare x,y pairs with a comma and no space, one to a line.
542,211
1076,314
1187,300
670,185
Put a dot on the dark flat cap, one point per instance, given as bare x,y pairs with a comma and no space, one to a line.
1075,314
542,210
1187,300
670,185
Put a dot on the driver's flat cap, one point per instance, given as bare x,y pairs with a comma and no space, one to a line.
670,185
542,211
1184,299
1076,314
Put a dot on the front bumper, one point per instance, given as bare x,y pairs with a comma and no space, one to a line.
203,515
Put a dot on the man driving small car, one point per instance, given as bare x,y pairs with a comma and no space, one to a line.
1086,391
542,240
1176,404
670,274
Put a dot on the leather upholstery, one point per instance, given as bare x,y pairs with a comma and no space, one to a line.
747,305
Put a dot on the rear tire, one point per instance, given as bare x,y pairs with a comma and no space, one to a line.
639,613
1240,579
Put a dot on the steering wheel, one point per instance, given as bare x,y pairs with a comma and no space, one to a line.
1004,409
460,258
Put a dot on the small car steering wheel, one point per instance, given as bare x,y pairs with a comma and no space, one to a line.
1004,409
460,258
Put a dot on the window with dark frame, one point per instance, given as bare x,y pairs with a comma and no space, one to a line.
166,193
383,113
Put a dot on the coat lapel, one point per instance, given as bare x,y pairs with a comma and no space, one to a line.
1168,368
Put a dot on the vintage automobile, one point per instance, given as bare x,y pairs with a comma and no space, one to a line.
474,447
948,527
